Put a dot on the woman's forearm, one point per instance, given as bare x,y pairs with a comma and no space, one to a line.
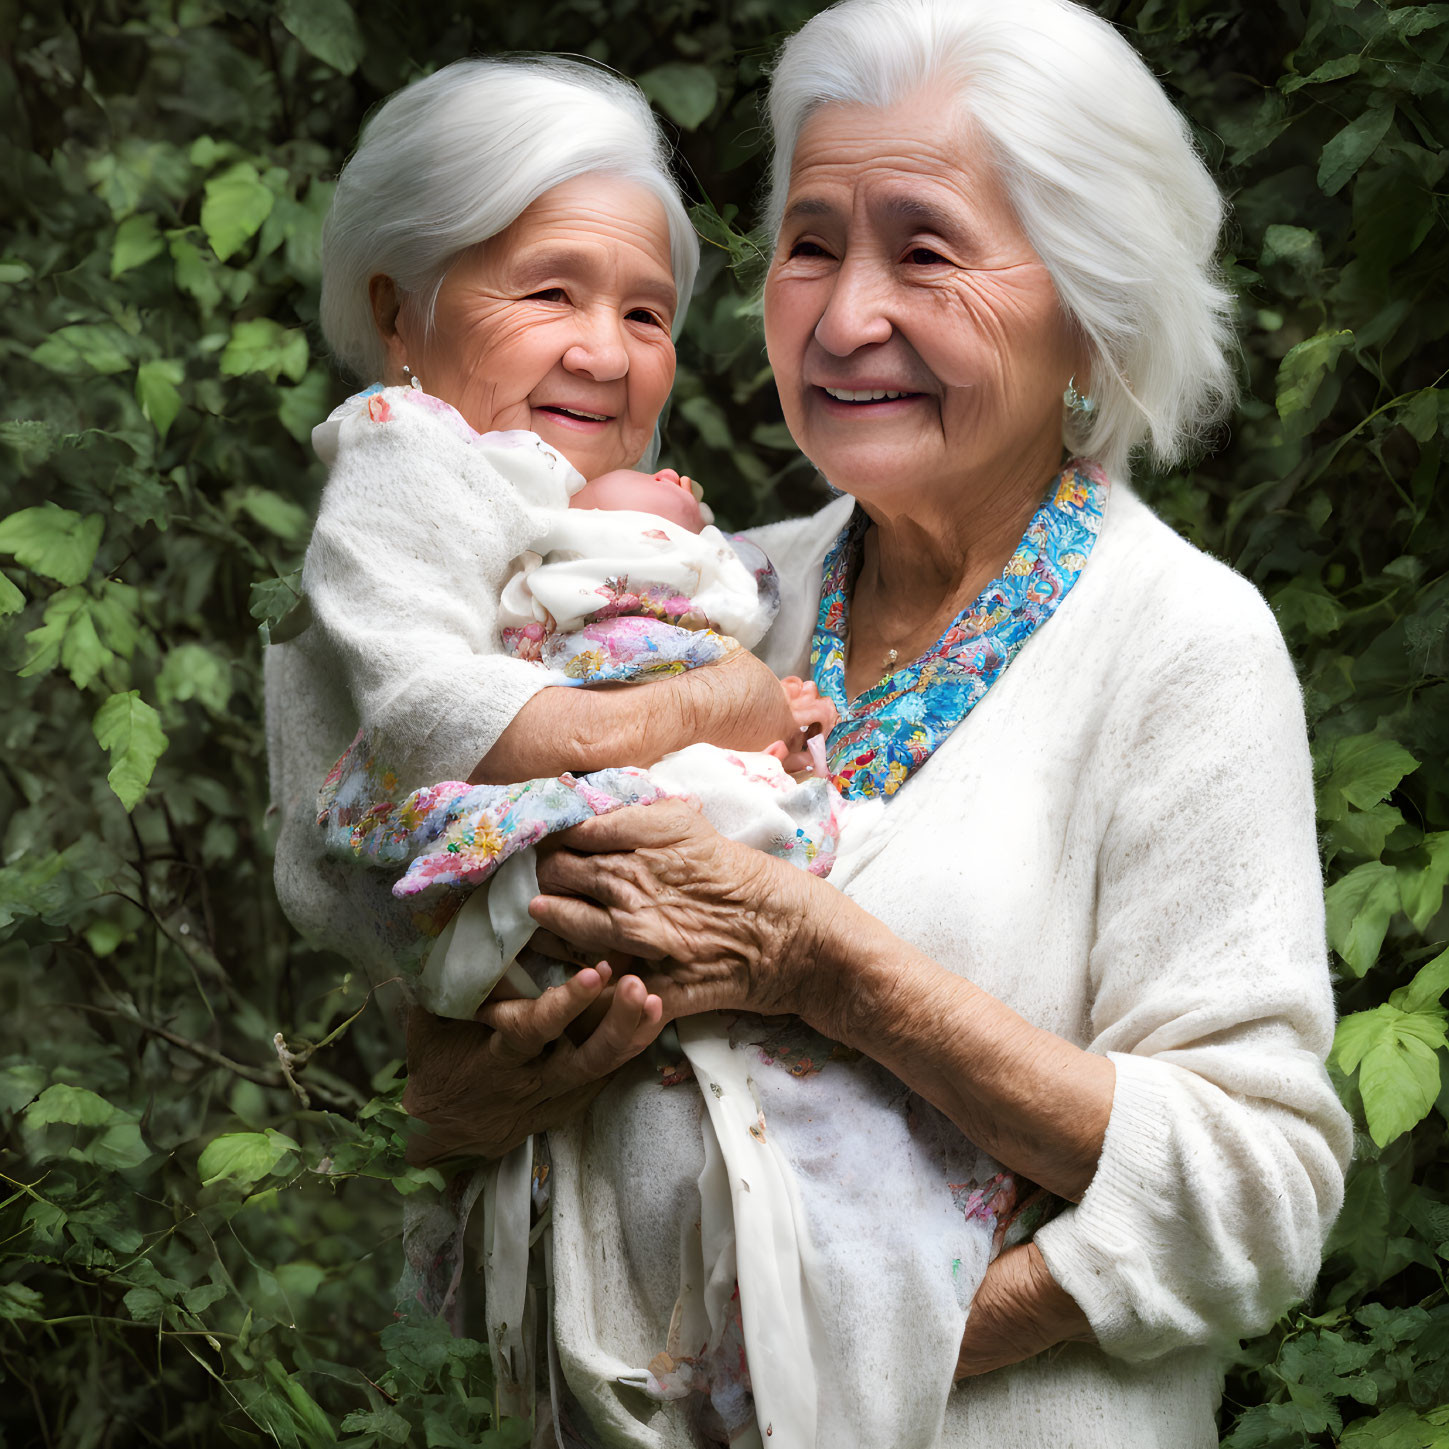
736,703
1033,1100
580,730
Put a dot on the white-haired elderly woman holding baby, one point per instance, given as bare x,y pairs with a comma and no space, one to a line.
1082,928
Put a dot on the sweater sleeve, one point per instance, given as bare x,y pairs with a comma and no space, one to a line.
1222,1167
414,539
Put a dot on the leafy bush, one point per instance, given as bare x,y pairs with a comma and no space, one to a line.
200,1207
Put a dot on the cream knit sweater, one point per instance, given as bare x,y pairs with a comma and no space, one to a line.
1119,843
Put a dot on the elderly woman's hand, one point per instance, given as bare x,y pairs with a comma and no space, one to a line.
1018,1312
725,922
483,1086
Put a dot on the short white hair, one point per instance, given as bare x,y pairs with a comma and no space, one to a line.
455,158
1100,167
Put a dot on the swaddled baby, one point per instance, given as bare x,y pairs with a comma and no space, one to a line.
625,585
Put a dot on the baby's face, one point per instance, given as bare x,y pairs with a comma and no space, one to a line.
664,493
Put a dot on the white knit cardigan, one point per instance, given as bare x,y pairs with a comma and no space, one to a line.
1119,843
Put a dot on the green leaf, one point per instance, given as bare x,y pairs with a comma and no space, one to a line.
192,671
385,1423
83,348
156,384
262,345
328,28
1300,605
708,417
1427,988
145,1305
1359,908
1331,70
12,601
301,408
1351,147
20,1304
19,1085
53,541
202,1296
686,93
235,205
1296,245
137,241
1301,371
1420,416
194,275
244,1157
131,730
1363,832
278,515
1422,879
1361,771
1396,1055
76,1106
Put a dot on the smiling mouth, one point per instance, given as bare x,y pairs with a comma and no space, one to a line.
576,413
865,395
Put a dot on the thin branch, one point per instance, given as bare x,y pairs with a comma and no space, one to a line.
335,1099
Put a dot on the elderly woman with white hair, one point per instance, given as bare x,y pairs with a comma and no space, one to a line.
1085,927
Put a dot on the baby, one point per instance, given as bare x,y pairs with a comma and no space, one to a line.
625,585
621,580
669,565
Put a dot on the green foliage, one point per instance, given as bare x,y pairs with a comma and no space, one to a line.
200,1222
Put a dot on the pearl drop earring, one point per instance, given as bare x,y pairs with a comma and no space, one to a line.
412,378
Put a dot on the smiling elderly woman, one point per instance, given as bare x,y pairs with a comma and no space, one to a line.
1087,926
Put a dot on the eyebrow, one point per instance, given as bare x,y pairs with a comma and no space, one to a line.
908,209
808,206
921,213
555,260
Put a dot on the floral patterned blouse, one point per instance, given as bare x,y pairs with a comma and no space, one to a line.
892,728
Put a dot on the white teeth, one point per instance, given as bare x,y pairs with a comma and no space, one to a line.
844,394
591,417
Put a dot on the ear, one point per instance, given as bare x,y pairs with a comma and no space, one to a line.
386,302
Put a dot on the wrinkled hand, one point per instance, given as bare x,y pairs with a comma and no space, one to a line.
1019,1311
483,1086
715,924
738,704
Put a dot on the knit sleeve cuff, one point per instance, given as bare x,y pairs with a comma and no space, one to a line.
1109,1250
469,715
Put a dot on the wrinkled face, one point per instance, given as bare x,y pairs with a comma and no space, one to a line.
913,332
558,325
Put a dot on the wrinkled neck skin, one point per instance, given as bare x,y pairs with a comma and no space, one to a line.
931,553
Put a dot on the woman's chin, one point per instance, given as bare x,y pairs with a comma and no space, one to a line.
591,453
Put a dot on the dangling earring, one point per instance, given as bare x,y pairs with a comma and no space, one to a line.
1076,402
412,378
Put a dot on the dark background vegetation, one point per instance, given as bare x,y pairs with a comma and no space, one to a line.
196,1251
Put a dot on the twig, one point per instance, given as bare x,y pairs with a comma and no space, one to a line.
215,1058
286,1060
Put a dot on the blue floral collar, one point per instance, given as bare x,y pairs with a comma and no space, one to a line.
892,728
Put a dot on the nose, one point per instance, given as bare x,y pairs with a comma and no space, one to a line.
598,351
856,314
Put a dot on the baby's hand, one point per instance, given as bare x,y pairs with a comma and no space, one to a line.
816,717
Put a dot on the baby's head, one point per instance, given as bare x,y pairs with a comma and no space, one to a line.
665,493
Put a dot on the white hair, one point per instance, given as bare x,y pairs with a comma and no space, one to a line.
1100,167
454,159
